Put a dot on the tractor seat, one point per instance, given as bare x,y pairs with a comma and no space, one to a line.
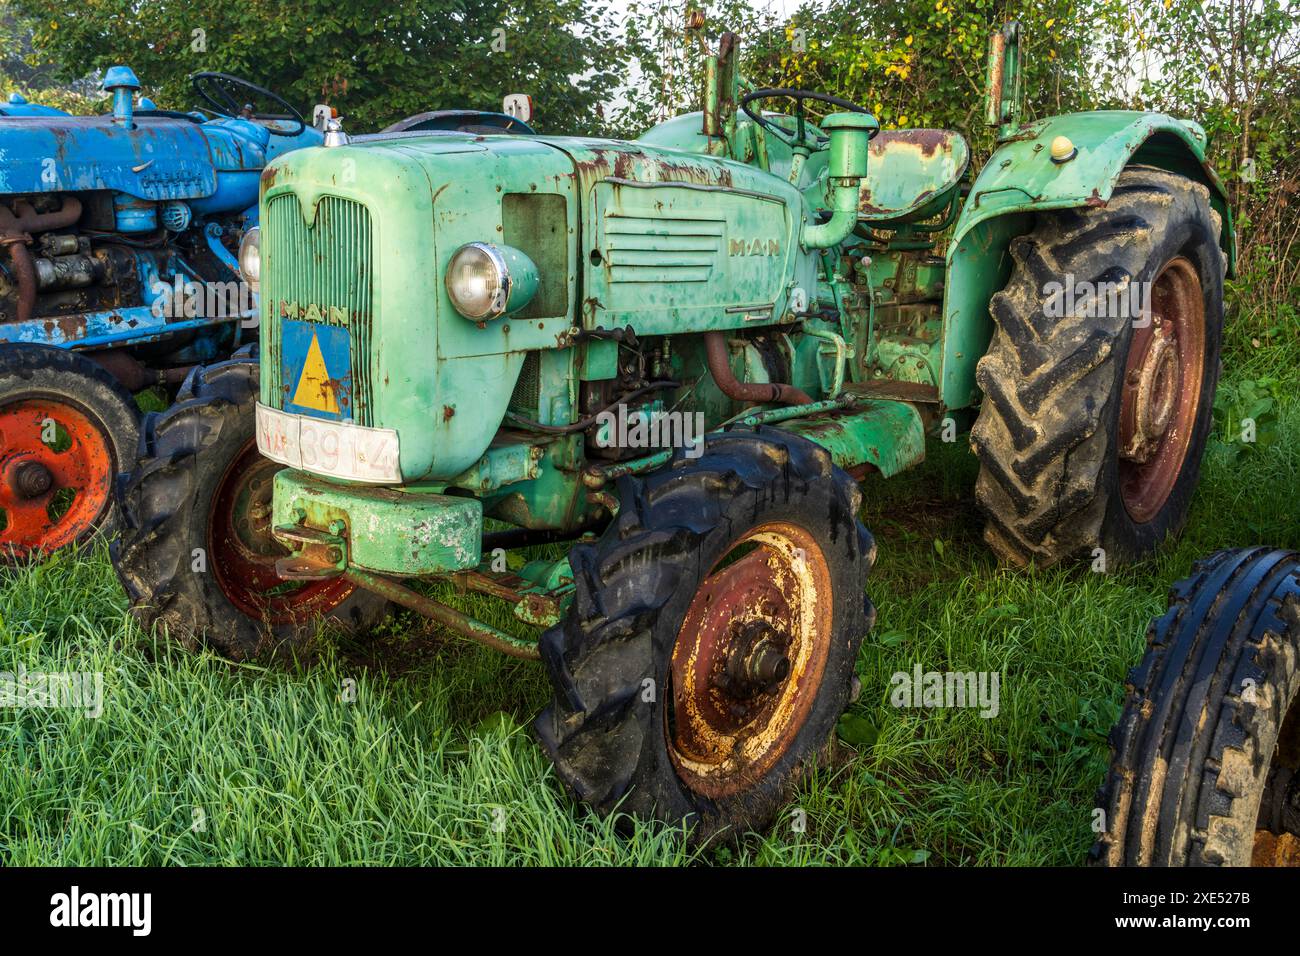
911,174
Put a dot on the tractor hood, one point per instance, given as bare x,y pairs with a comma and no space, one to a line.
159,158
356,240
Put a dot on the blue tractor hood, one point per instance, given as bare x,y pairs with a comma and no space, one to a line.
212,164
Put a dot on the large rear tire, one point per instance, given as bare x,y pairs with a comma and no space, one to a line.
66,427
1206,756
711,642
196,555
1093,425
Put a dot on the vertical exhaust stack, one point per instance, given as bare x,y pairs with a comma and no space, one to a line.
1002,88
121,82
850,135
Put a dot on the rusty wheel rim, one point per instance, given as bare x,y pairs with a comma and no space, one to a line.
1162,391
749,659
56,475
243,551
1281,849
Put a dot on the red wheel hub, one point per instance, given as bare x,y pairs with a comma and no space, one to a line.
56,475
1162,391
749,659
243,551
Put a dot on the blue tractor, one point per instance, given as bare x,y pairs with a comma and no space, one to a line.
128,254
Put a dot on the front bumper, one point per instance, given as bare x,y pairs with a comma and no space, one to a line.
386,530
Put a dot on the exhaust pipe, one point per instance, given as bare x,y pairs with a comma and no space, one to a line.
15,234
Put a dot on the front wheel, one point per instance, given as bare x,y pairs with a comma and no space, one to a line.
66,426
197,557
711,643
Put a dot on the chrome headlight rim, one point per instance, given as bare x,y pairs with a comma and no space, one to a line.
497,302
250,251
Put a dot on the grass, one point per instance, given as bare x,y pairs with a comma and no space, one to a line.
197,761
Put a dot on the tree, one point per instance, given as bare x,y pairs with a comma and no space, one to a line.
911,62
375,60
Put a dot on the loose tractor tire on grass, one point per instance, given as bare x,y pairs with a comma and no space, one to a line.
120,241
1206,755
679,353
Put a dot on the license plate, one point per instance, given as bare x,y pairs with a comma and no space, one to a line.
333,449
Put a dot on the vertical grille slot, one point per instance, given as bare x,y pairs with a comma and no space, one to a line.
526,399
330,266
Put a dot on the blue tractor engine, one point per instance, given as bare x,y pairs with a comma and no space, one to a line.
120,252
103,219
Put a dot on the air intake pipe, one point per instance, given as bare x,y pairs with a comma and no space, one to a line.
850,135
122,84
715,346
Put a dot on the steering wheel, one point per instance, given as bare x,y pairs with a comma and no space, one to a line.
227,95
800,137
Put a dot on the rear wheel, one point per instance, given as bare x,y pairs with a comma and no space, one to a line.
710,647
65,428
197,556
1096,411
1206,760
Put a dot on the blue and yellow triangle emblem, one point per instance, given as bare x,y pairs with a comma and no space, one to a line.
314,387
316,370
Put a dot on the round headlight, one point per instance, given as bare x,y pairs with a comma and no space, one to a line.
250,257
485,280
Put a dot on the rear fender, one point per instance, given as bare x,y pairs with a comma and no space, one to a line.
1021,179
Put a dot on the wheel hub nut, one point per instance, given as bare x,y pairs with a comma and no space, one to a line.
757,660
1155,397
767,663
32,479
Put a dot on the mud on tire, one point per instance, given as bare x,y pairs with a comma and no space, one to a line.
1052,483
1206,754
614,745
176,509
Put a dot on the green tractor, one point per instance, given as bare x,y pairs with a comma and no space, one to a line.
681,353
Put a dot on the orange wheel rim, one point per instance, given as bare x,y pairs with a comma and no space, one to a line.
1277,828
749,659
56,475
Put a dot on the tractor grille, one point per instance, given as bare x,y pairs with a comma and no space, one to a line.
328,265
526,398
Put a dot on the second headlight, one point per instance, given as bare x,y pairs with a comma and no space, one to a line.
250,258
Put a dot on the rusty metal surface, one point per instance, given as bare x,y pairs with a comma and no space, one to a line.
16,228
748,660
529,603
1162,390
720,368
888,435
911,174
317,555
462,624
895,390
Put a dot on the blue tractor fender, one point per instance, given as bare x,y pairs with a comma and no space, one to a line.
1021,179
